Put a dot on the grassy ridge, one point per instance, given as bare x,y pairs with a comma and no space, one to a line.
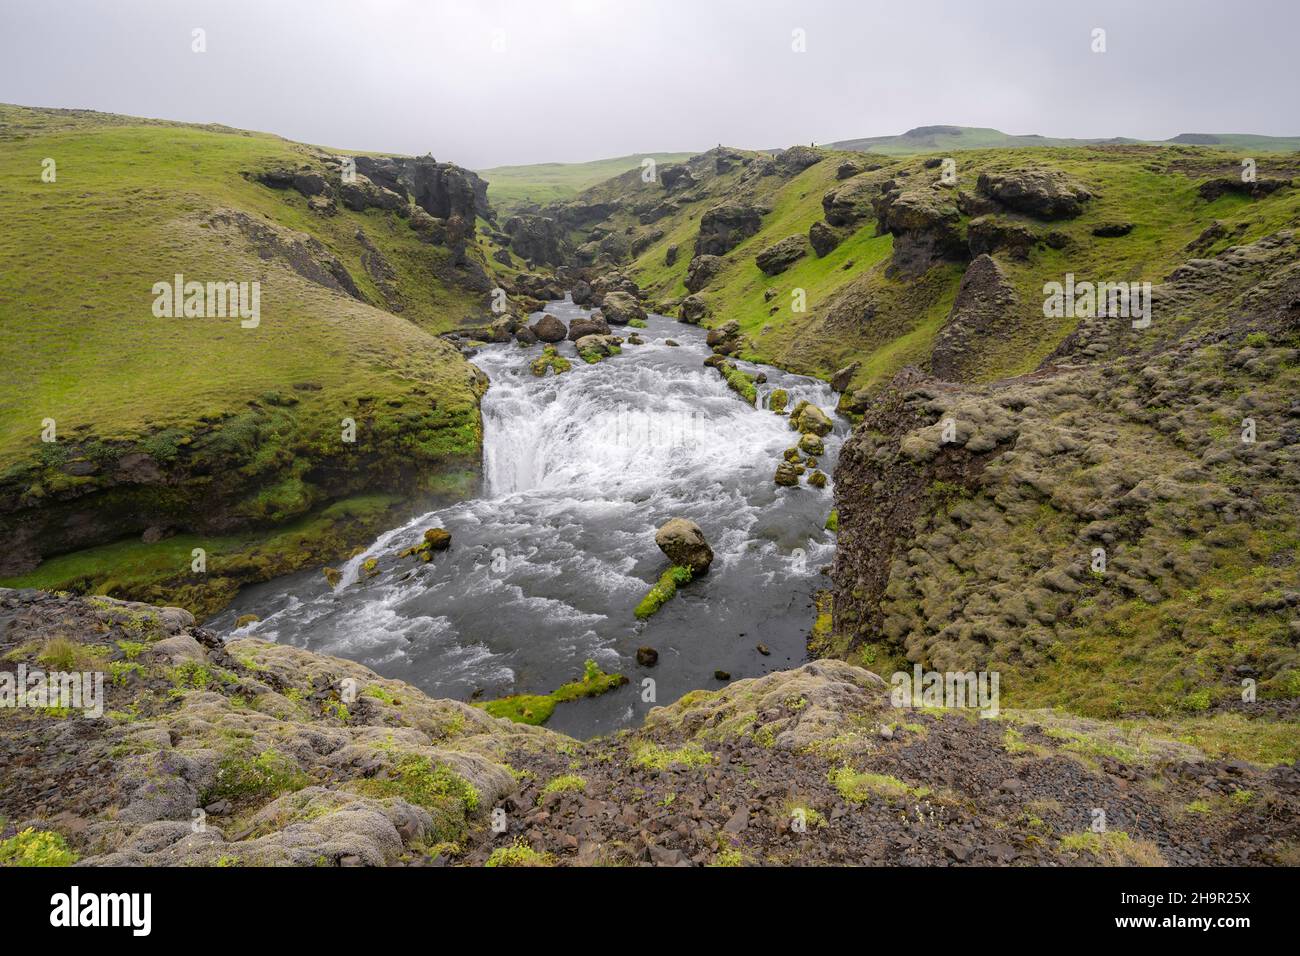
934,139
894,320
136,201
543,183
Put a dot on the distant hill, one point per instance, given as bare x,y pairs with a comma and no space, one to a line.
544,183
933,139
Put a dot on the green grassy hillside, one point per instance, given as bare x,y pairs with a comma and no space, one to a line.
857,311
198,425
935,139
543,183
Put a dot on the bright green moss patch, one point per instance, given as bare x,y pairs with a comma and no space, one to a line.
36,848
537,708
833,520
418,780
569,782
663,591
519,854
653,757
858,787
550,359
740,382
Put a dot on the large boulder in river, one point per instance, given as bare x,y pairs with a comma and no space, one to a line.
683,542
807,417
593,324
593,348
779,256
549,329
725,339
581,292
620,308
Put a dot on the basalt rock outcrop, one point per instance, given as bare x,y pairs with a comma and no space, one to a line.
1044,194
725,226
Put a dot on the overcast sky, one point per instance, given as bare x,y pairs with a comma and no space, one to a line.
490,82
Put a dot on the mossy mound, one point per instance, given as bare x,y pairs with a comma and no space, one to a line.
536,709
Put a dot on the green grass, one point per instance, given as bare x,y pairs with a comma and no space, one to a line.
895,321
536,709
949,138
238,413
859,787
519,854
654,757
543,183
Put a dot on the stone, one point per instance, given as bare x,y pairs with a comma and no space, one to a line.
549,329
683,542
693,310
620,308
811,444
779,256
1044,194
823,237
701,272
593,324
647,656
842,379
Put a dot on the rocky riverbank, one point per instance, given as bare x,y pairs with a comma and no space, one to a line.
252,753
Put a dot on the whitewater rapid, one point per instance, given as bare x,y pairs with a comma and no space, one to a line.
547,564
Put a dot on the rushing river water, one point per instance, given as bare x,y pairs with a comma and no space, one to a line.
548,563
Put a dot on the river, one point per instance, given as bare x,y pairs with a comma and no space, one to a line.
547,564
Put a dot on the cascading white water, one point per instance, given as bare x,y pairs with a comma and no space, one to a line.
547,565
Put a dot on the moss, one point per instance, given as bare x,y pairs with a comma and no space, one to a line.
36,848
663,590
796,809
729,857
193,675
550,359
537,708
833,521
740,382
858,787
519,854
265,775
654,757
567,783
777,400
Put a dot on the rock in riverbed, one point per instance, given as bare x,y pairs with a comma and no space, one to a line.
683,542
